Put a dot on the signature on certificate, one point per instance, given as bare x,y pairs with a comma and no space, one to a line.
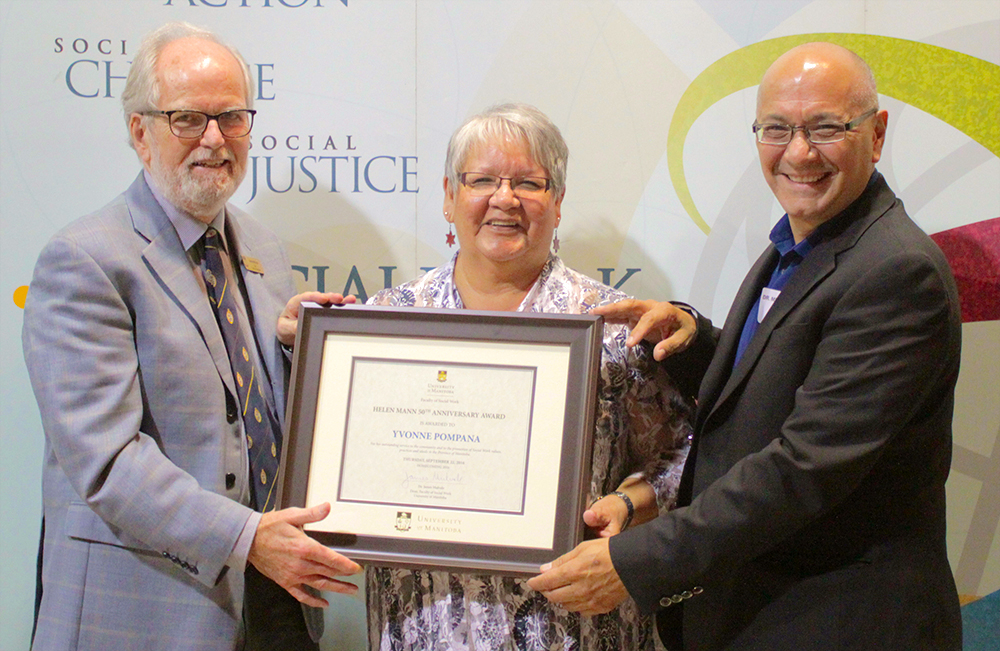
436,477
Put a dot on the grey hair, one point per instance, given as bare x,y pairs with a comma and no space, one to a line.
519,123
142,87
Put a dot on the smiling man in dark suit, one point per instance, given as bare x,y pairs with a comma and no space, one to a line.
812,507
151,339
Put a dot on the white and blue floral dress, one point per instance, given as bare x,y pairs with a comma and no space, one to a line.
642,425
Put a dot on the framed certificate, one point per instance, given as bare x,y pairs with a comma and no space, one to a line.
443,438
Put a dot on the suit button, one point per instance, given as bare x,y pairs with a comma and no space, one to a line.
230,480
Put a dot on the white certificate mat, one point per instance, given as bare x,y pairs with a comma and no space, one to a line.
428,433
443,438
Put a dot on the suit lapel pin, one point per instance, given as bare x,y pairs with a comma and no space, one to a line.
253,264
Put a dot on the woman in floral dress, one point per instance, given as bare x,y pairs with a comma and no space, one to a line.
504,185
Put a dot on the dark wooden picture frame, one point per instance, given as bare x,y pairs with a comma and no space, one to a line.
581,338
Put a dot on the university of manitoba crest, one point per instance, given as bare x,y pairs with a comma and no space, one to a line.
442,376
402,520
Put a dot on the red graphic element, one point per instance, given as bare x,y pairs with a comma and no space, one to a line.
450,238
973,251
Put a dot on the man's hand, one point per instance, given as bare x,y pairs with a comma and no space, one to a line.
288,320
290,558
583,581
670,328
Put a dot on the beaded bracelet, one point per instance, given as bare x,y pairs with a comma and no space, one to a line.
628,504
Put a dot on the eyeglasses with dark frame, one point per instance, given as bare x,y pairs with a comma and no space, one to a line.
186,123
775,133
484,185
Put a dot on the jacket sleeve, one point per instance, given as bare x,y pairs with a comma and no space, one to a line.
687,368
865,435
80,347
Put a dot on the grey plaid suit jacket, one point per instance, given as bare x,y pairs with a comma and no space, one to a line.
130,373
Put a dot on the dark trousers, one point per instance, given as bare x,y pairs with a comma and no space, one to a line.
273,618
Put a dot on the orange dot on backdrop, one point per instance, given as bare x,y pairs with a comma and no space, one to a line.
20,294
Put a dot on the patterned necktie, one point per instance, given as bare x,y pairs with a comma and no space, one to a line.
259,423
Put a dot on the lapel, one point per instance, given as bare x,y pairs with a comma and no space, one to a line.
721,367
720,384
261,298
168,261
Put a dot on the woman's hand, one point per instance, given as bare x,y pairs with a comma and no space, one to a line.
606,516
288,320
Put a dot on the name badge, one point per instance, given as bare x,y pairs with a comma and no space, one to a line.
767,298
253,264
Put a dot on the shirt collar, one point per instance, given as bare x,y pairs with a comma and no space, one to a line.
189,229
784,241
454,299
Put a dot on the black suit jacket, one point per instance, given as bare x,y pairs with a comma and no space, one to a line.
813,502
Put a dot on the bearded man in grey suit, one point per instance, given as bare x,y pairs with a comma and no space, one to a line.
150,539
812,506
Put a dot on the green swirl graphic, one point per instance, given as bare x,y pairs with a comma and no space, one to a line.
959,89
